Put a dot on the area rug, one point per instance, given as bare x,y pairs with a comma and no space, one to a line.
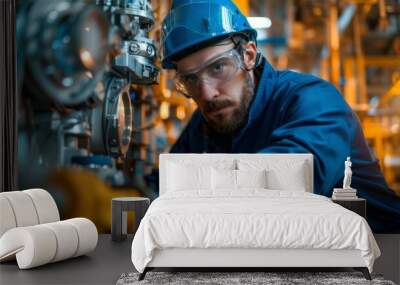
229,278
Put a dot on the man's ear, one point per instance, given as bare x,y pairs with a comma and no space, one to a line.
250,55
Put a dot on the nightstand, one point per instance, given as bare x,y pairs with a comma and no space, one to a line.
358,205
120,207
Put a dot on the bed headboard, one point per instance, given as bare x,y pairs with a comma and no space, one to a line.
213,158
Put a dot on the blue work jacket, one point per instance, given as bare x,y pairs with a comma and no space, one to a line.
298,113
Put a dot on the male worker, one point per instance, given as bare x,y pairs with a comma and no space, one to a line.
246,106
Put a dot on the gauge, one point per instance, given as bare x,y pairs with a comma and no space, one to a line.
65,40
112,120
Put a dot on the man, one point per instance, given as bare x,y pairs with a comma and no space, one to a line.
246,106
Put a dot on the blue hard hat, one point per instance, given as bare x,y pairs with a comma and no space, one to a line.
193,23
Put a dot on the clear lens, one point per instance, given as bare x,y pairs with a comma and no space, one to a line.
215,72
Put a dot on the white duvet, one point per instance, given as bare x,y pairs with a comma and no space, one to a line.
253,218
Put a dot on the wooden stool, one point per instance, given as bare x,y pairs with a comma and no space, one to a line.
119,209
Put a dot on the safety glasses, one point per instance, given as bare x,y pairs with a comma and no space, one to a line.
216,71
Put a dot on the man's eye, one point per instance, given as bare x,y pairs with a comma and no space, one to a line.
191,78
218,67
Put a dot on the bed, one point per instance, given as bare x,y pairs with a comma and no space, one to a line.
245,211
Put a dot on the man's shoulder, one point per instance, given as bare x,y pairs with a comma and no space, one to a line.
195,123
292,84
190,138
299,79
196,119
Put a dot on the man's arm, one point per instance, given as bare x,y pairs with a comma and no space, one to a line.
320,122
317,121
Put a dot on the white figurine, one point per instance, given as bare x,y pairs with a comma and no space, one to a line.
347,174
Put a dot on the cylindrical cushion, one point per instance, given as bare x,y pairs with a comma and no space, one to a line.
45,206
87,234
67,239
41,244
34,245
23,208
7,218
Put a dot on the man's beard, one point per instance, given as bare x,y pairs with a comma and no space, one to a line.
227,124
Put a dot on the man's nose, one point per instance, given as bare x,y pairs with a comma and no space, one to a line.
207,91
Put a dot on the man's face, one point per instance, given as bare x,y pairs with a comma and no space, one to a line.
224,105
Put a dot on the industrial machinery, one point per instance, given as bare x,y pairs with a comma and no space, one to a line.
93,104
80,66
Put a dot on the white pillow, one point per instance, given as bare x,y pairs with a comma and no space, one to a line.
281,174
181,177
227,179
251,178
220,163
223,179
291,179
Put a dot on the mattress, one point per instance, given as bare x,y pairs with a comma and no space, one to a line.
253,219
